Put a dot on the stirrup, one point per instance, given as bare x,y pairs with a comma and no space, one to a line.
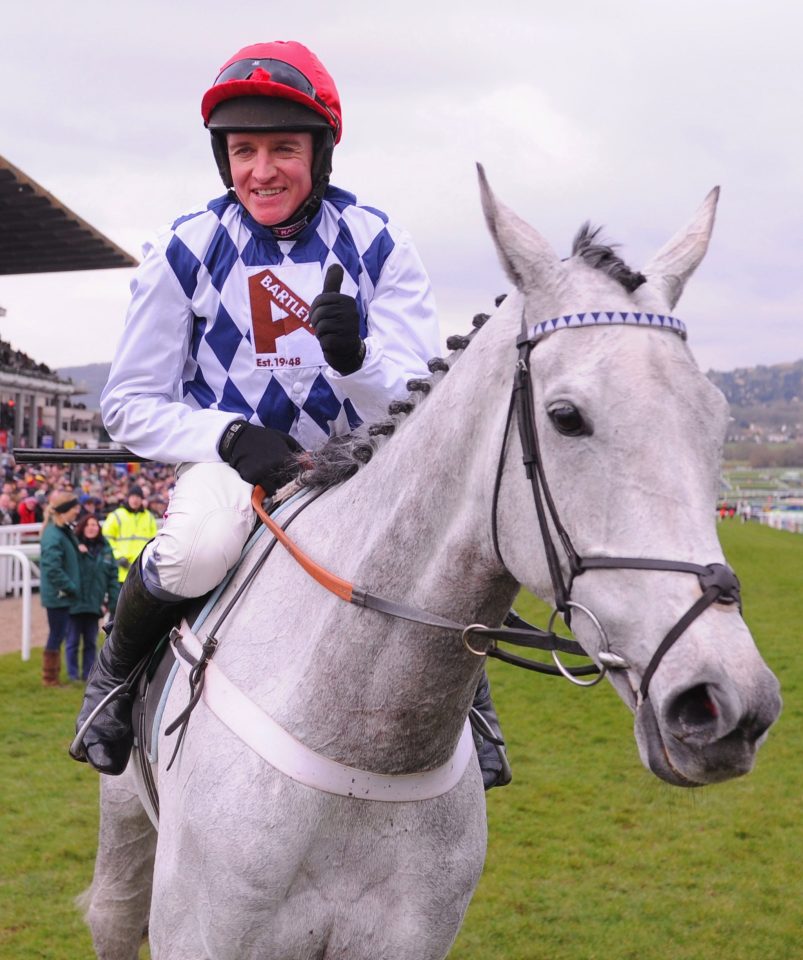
76,748
481,725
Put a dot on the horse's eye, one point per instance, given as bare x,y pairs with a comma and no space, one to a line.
568,420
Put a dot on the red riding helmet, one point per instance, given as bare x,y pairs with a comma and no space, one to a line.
272,87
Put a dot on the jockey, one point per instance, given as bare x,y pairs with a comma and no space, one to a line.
233,360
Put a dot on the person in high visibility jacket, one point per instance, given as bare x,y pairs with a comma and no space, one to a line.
128,529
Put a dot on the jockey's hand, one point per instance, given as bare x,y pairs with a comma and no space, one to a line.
260,455
336,323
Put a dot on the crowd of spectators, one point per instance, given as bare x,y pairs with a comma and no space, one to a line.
18,362
100,488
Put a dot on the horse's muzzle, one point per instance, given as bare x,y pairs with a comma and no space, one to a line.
706,733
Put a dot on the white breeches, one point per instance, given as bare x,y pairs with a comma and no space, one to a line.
207,523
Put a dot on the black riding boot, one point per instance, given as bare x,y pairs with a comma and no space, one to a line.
140,621
488,738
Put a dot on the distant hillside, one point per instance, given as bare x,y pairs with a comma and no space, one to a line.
93,377
766,402
754,386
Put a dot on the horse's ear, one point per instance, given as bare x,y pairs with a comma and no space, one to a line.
526,257
677,260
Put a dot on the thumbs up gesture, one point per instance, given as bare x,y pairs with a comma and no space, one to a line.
336,322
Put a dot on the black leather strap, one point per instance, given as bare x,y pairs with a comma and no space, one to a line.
527,636
694,611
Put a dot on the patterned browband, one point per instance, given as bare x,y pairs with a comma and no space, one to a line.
604,318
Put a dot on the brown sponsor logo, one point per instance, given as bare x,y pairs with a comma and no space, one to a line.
276,311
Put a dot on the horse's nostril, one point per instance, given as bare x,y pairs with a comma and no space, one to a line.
694,709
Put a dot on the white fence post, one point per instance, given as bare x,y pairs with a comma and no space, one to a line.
25,565
24,537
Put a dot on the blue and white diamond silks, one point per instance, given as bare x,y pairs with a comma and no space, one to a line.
219,327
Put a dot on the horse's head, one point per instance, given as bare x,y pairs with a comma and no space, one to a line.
628,436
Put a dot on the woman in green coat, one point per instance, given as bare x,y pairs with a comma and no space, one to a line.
59,578
97,595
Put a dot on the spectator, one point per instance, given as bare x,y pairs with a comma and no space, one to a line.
8,513
97,595
30,511
89,506
128,529
60,578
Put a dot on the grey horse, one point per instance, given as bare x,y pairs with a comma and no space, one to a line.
251,863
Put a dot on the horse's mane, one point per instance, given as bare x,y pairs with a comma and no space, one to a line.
342,456
588,247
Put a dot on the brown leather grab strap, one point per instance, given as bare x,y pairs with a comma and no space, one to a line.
342,588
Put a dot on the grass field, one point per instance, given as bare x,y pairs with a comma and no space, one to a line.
590,857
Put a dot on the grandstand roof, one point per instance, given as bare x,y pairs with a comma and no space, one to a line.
38,234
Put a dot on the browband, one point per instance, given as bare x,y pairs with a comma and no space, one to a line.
603,318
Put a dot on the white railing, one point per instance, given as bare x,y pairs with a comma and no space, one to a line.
24,537
791,520
14,555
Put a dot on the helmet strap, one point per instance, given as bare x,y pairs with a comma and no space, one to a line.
323,146
220,150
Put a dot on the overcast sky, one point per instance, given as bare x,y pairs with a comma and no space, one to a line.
625,112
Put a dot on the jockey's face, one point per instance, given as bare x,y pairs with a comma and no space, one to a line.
272,173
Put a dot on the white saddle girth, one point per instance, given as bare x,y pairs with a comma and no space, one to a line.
295,760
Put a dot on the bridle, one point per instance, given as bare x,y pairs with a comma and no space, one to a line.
718,582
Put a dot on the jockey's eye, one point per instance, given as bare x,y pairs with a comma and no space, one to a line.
568,420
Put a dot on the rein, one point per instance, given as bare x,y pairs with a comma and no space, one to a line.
523,634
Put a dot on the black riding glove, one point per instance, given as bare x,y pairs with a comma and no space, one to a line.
260,455
336,323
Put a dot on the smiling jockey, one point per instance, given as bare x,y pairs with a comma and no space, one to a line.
233,360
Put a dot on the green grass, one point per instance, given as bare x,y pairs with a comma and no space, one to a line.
589,855
48,818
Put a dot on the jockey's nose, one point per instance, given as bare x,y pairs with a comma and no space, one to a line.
264,166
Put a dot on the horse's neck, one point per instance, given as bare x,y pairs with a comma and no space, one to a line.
422,507
414,525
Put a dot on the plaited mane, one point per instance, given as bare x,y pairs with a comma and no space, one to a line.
342,456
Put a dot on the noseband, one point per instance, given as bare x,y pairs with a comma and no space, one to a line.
718,582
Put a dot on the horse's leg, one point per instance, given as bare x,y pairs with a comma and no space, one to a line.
119,899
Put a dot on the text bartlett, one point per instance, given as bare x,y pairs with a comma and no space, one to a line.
284,299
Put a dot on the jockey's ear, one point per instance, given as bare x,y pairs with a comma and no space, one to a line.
670,268
525,255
